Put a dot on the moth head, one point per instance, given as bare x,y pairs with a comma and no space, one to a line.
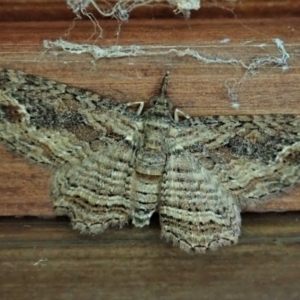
162,100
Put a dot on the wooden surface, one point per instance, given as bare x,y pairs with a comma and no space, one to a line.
57,10
44,259
195,87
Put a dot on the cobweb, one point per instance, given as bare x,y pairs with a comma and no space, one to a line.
122,8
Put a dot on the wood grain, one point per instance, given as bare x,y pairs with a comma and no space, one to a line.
44,259
57,10
195,87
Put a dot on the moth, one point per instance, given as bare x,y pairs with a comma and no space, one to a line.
112,165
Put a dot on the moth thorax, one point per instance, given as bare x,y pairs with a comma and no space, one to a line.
150,162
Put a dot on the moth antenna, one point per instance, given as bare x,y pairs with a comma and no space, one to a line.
164,85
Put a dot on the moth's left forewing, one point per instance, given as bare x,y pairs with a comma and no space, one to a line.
254,157
205,131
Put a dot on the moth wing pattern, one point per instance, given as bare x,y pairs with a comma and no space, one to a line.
64,127
255,157
53,123
111,165
95,193
196,212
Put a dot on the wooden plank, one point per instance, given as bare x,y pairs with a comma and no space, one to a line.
44,259
195,87
57,10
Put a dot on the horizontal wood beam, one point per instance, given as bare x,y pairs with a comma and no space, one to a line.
57,10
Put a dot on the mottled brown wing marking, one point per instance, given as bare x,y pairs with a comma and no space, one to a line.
52,123
253,156
196,213
11,113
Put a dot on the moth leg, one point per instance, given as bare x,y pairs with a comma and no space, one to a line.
140,104
179,112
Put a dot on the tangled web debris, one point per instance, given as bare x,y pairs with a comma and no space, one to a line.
122,8
150,50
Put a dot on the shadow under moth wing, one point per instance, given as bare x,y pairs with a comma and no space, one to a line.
111,165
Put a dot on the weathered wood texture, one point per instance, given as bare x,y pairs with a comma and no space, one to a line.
195,87
44,259
57,10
